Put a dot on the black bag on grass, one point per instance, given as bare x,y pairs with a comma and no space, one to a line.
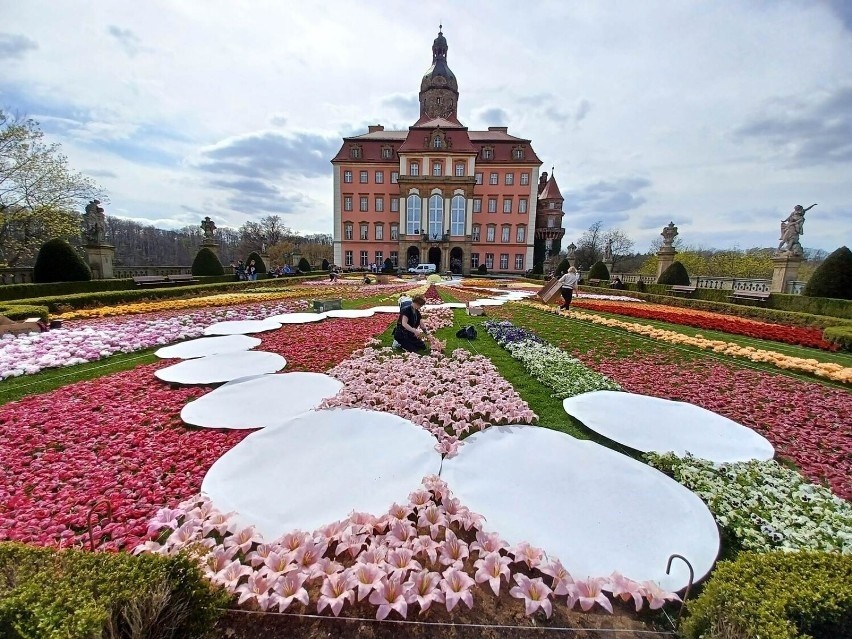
466,332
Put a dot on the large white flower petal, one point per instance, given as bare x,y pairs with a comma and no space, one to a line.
216,369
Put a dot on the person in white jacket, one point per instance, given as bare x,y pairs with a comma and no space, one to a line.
568,283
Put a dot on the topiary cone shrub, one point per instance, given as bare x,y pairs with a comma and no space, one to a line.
258,263
675,275
206,263
388,266
599,271
325,265
304,265
538,269
833,278
57,261
482,269
563,267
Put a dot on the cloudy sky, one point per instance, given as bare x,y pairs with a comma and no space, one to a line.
719,115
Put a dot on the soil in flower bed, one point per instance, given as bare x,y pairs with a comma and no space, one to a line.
488,611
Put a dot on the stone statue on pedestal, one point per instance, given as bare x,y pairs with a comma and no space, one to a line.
608,251
208,226
94,224
571,252
669,233
791,229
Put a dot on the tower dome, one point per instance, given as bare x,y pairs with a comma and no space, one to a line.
439,89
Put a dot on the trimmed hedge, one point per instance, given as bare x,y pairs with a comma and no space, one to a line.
674,275
258,262
832,278
599,271
74,594
206,262
776,595
563,267
24,311
326,266
304,265
839,335
482,269
57,261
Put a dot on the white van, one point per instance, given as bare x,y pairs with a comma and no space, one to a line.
423,269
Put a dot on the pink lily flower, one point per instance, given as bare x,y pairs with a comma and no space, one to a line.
487,543
374,555
432,516
277,565
401,561
292,541
420,497
351,543
423,589
165,518
530,555
456,586
390,595
310,553
290,587
534,593
400,533
336,590
243,539
217,560
452,550
490,569
257,587
589,592
258,556
657,597
625,589
217,523
231,574
562,579
325,567
367,577
425,544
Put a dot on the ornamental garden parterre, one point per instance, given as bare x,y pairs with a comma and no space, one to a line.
446,487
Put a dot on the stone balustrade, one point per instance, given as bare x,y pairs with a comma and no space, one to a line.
16,275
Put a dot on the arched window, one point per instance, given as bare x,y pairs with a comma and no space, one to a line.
457,214
412,215
436,217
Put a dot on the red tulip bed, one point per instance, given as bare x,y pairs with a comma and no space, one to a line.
798,335
120,437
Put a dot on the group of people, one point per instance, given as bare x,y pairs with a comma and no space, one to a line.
243,271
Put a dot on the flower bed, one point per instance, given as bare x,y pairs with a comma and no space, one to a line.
120,437
427,554
765,506
798,335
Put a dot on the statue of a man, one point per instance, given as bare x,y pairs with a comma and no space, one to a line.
669,233
791,229
608,251
208,226
94,223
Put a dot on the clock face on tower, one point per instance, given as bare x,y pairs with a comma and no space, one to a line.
439,103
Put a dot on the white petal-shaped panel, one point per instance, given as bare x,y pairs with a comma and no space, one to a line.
241,327
216,369
204,346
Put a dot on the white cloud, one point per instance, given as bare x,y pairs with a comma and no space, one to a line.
190,108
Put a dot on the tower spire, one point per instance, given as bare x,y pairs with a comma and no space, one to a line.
439,90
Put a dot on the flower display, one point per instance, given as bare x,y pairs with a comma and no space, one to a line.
388,561
450,396
553,367
764,505
799,335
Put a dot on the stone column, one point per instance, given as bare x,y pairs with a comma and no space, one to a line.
785,269
100,261
665,257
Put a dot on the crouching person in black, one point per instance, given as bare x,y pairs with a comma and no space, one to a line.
407,333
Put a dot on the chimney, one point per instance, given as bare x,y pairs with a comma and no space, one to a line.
501,129
375,128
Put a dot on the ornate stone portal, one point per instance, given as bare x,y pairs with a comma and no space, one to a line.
667,252
100,255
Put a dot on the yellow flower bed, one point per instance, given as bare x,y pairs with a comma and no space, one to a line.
828,370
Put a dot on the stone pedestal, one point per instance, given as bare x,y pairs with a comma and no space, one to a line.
100,261
211,244
665,257
785,269
608,268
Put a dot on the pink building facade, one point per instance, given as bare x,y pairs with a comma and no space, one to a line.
438,192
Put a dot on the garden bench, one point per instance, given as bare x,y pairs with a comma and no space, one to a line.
182,279
680,288
595,282
151,280
758,296
321,306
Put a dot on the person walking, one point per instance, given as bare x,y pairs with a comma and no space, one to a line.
568,283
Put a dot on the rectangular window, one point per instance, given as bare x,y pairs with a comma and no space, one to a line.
380,177
394,257
347,177
525,179
487,154
365,258
364,177
518,154
522,205
380,259
521,235
387,154
479,178
355,153
489,261
551,222
459,169
519,262
504,234
492,205
348,231
347,202
414,168
474,260
504,261
475,234
493,179
510,179
507,205
477,205
436,168
489,235
380,231
380,204
348,258
365,230
395,205
364,203
394,231
394,177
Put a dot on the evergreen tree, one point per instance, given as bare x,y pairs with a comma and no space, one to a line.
675,275
832,278
57,261
206,263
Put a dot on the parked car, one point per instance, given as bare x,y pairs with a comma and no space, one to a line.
423,269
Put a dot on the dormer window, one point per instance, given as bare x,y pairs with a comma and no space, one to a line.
355,152
387,153
518,154
437,143
487,153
